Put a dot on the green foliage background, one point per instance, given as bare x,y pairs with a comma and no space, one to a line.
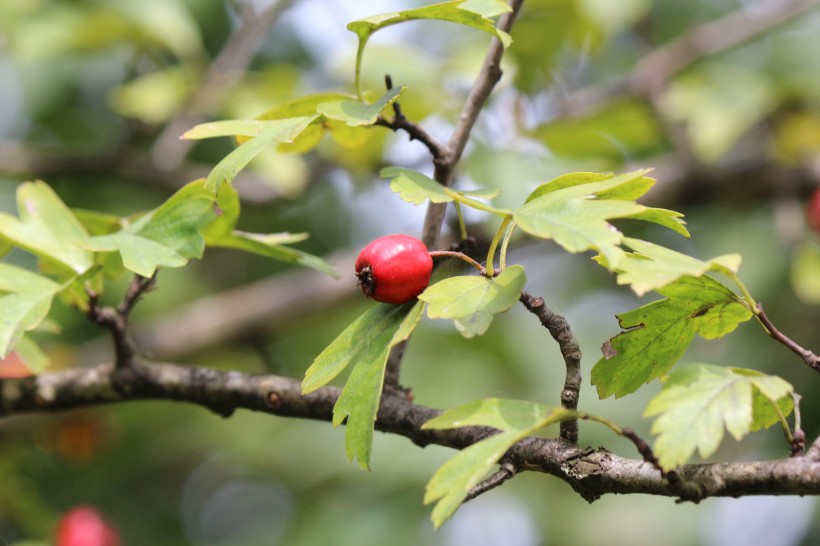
88,88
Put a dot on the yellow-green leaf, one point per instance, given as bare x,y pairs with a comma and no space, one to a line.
698,401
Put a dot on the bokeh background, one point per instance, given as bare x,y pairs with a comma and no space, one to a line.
93,97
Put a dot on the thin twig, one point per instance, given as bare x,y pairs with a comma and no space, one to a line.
115,320
808,357
798,443
415,131
646,452
445,158
560,331
503,474
139,286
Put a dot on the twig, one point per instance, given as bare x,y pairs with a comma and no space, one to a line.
139,286
115,320
808,357
445,158
415,131
560,331
798,443
503,474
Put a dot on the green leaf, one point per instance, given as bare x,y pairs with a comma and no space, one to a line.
652,266
414,187
472,13
367,341
657,334
698,401
663,217
168,236
46,228
310,137
573,211
472,301
355,113
25,299
271,246
624,187
516,419
285,130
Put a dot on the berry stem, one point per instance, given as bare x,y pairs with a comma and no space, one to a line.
463,257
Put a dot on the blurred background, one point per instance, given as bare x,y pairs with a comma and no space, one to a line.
722,97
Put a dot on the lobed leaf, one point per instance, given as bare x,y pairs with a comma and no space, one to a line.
168,236
472,13
25,299
472,301
367,341
47,228
345,136
663,217
571,211
699,401
656,335
516,419
652,266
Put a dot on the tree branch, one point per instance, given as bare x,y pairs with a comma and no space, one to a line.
591,473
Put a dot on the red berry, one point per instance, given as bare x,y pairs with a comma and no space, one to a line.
394,269
84,526
813,211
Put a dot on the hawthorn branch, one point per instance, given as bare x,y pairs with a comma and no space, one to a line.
415,131
591,473
445,158
560,331
811,359
115,320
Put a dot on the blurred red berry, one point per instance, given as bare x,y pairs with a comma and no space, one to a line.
84,526
394,269
813,211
